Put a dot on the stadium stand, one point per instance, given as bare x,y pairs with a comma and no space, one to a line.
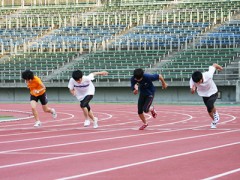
171,37
183,63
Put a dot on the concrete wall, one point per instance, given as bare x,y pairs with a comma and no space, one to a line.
176,94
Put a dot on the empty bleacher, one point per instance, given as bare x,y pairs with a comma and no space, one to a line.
118,63
184,63
43,64
226,35
177,38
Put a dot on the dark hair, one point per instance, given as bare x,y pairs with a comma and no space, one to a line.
76,75
27,75
138,73
197,76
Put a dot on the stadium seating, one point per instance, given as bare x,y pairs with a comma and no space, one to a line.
161,36
43,64
119,64
184,63
227,35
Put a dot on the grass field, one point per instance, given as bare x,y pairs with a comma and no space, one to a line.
3,117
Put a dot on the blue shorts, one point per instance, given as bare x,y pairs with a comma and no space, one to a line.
144,103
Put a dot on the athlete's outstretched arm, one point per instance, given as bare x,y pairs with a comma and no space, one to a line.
218,67
102,73
164,84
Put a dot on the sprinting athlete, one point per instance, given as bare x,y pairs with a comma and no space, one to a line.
206,88
142,82
83,89
37,92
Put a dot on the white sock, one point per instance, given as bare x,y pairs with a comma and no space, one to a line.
216,116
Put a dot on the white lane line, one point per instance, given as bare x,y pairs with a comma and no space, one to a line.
81,142
95,140
109,117
60,136
112,149
222,174
66,129
50,121
16,119
72,116
148,161
44,153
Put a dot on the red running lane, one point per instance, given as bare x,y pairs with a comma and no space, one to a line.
179,142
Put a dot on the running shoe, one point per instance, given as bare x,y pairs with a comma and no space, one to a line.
37,124
143,127
213,125
54,114
95,123
153,111
216,119
86,123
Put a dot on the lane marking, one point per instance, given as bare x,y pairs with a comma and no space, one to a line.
50,121
16,119
112,149
95,140
102,119
148,161
59,136
32,128
109,117
223,174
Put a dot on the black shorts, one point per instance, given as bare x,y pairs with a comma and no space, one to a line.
43,98
209,101
85,102
144,103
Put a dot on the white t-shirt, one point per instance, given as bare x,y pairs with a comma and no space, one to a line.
84,88
208,87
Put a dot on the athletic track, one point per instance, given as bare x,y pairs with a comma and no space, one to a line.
177,145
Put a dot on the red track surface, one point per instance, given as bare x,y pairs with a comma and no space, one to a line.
178,144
